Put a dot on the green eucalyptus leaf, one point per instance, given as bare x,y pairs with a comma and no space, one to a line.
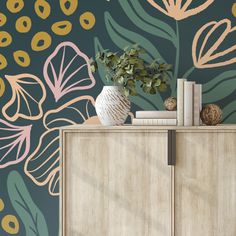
93,68
101,70
162,88
133,92
27,210
120,80
133,52
219,87
126,92
166,67
229,113
109,54
153,91
142,51
123,37
158,77
157,83
131,71
141,19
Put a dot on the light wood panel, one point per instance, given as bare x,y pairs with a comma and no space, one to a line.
100,128
205,184
116,184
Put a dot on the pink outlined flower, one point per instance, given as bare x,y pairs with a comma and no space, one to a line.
68,69
211,57
14,143
24,102
43,165
179,9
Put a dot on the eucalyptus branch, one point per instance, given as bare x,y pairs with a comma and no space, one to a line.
129,70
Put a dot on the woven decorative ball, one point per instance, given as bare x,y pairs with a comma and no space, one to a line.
211,114
170,104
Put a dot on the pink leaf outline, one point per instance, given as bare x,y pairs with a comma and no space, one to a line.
59,83
20,136
54,183
72,106
214,56
19,93
40,165
43,165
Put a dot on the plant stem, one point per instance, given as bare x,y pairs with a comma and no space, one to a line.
177,58
189,72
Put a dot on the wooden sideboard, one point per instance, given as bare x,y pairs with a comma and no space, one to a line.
116,181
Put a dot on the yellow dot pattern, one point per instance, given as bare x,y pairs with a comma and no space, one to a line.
87,20
15,6
234,9
5,39
2,90
68,7
3,62
41,41
3,19
62,27
10,224
42,9
23,24
22,58
1,201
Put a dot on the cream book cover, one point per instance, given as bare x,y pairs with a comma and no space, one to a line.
188,103
197,103
156,114
154,121
180,101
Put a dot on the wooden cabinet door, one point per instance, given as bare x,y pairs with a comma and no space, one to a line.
205,184
116,184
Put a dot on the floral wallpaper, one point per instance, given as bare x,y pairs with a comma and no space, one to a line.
46,82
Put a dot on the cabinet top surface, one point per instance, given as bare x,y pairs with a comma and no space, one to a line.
101,128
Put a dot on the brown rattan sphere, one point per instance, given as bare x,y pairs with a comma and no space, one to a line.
170,104
211,114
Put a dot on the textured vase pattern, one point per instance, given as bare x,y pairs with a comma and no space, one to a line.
112,106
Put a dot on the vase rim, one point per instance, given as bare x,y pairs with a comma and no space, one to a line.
107,86
112,87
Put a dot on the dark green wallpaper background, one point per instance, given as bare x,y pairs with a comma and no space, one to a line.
48,83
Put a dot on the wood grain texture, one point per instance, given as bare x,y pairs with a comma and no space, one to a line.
99,128
116,184
205,184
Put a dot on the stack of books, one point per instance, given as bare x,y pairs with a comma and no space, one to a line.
189,106
189,103
155,118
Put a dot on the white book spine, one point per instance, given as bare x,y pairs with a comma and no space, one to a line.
180,101
197,103
154,121
188,103
156,114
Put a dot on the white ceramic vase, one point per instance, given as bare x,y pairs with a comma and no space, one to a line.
112,106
